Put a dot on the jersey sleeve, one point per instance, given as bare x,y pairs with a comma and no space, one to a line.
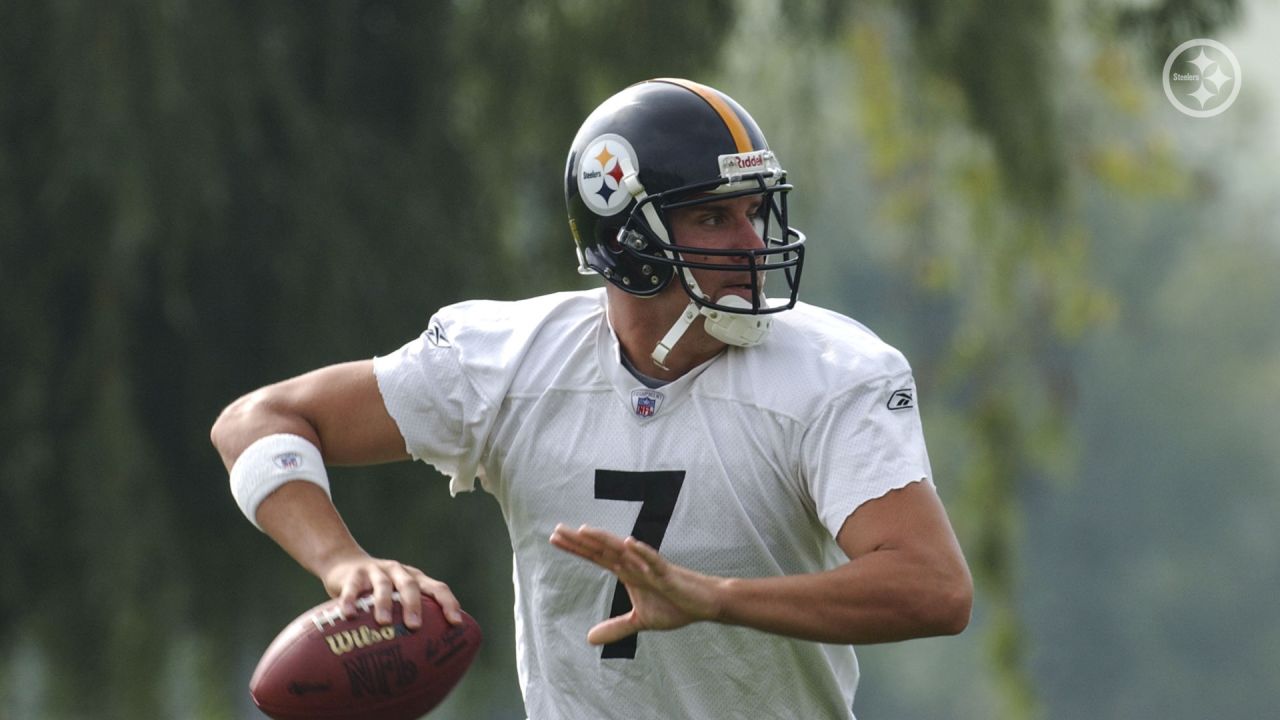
865,442
440,410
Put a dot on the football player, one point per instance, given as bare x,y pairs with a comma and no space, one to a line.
712,490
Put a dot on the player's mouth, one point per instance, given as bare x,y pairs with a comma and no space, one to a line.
743,290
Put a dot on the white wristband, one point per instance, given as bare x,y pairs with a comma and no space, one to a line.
271,462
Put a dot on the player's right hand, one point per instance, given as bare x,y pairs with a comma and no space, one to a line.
350,579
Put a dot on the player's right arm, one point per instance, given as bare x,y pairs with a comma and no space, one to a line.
340,410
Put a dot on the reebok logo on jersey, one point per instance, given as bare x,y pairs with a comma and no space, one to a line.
435,336
902,399
645,403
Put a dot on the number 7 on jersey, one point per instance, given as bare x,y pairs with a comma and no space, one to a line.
656,491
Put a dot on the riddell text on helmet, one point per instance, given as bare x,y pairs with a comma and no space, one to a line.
756,161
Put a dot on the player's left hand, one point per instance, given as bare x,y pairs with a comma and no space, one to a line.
664,596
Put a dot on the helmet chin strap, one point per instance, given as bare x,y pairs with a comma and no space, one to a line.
740,329
673,335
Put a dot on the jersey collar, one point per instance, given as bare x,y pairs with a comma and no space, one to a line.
642,402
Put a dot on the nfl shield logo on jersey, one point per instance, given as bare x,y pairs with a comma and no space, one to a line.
645,403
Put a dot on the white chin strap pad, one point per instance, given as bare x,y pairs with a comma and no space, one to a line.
742,329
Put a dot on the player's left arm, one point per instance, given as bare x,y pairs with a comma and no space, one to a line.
905,578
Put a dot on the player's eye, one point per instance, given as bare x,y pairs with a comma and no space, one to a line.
713,218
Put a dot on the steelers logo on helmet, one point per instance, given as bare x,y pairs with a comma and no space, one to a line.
604,163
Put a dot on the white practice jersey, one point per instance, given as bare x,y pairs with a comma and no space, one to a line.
746,466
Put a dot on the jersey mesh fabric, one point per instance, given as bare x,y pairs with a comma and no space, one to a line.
760,453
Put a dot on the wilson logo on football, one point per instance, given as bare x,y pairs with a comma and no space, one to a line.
344,642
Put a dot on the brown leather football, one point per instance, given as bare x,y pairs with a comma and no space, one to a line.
325,666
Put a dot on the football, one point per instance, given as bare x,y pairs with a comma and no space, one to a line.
325,666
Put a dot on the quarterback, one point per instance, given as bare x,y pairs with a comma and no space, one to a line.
712,490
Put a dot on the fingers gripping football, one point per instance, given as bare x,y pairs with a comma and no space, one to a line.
383,579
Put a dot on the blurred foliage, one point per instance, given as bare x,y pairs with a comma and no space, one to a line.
1001,70
197,199
1162,25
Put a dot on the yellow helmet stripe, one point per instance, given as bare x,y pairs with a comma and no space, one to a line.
731,120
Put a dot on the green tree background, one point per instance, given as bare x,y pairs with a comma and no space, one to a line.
200,198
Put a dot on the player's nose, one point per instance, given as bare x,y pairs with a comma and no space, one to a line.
747,230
